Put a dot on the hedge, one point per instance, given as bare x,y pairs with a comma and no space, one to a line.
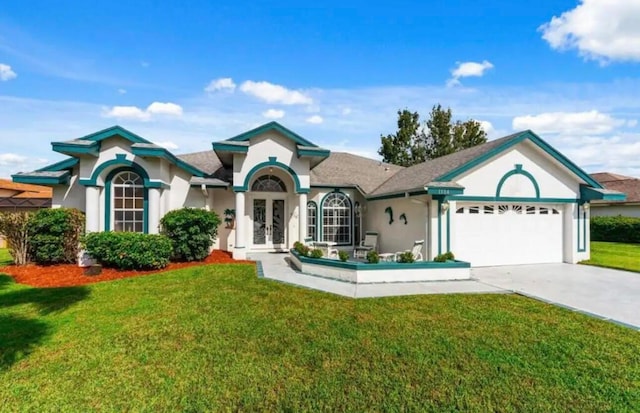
191,231
54,235
615,229
129,250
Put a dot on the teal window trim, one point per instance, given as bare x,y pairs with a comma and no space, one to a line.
272,126
68,163
313,205
272,162
451,175
518,171
69,148
120,160
169,157
107,195
321,217
472,198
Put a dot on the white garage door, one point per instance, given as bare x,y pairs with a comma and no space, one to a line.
507,234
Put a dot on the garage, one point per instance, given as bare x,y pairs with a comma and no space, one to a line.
507,233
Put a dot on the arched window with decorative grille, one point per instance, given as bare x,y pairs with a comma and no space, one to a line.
268,183
128,202
336,218
312,220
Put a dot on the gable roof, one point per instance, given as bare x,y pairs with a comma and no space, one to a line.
345,169
272,126
621,183
447,168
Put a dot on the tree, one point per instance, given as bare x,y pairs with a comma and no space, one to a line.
412,144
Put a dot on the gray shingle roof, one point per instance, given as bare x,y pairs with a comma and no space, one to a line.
342,168
620,183
417,176
207,162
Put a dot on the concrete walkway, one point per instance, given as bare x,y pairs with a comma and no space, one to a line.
275,266
605,293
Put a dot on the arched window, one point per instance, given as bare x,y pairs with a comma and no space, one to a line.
128,202
268,183
336,218
312,220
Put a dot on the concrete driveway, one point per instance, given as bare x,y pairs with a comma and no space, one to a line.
609,294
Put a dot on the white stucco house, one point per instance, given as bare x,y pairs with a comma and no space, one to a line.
514,200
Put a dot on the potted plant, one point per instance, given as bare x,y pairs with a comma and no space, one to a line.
229,217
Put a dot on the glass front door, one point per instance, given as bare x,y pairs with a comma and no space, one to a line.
269,223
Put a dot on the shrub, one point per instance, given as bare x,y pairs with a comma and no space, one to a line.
316,253
129,250
449,256
192,232
301,249
406,257
440,258
373,257
615,229
54,235
14,226
343,255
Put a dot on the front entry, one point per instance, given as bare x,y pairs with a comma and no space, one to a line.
269,226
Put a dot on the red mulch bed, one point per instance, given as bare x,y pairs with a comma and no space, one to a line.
69,275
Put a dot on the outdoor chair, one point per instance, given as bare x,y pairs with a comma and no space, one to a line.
416,250
369,243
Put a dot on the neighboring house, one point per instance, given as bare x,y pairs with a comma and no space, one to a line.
22,197
629,185
514,200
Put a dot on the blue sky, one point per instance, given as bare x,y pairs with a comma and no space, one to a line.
184,74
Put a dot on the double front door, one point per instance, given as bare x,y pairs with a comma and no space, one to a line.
269,226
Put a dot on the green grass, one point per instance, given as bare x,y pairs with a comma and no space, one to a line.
218,338
615,255
5,257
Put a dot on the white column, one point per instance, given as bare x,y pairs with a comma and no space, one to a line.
211,200
302,217
153,209
239,250
92,208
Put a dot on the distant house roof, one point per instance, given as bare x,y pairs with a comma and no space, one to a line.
621,183
25,190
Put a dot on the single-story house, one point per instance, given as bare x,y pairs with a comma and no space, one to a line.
630,207
514,200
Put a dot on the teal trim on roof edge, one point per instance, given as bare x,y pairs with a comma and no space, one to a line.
269,127
225,147
41,180
114,131
449,176
68,148
68,163
591,194
169,157
324,153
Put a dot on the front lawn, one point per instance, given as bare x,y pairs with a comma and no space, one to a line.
615,255
219,338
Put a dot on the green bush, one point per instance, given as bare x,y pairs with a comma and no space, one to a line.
316,253
54,235
191,231
440,258
14,227
406,257
449,256
373,257
615,229
129,250
343,255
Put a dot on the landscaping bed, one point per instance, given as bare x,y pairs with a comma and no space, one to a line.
68,275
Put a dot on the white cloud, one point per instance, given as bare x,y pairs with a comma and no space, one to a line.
315,119
632,123
272,93
135,113
468,69
6,73
486,126
165,108
222,84
346,111
122,91
602,30
568,123
273,114
167,145
8,159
